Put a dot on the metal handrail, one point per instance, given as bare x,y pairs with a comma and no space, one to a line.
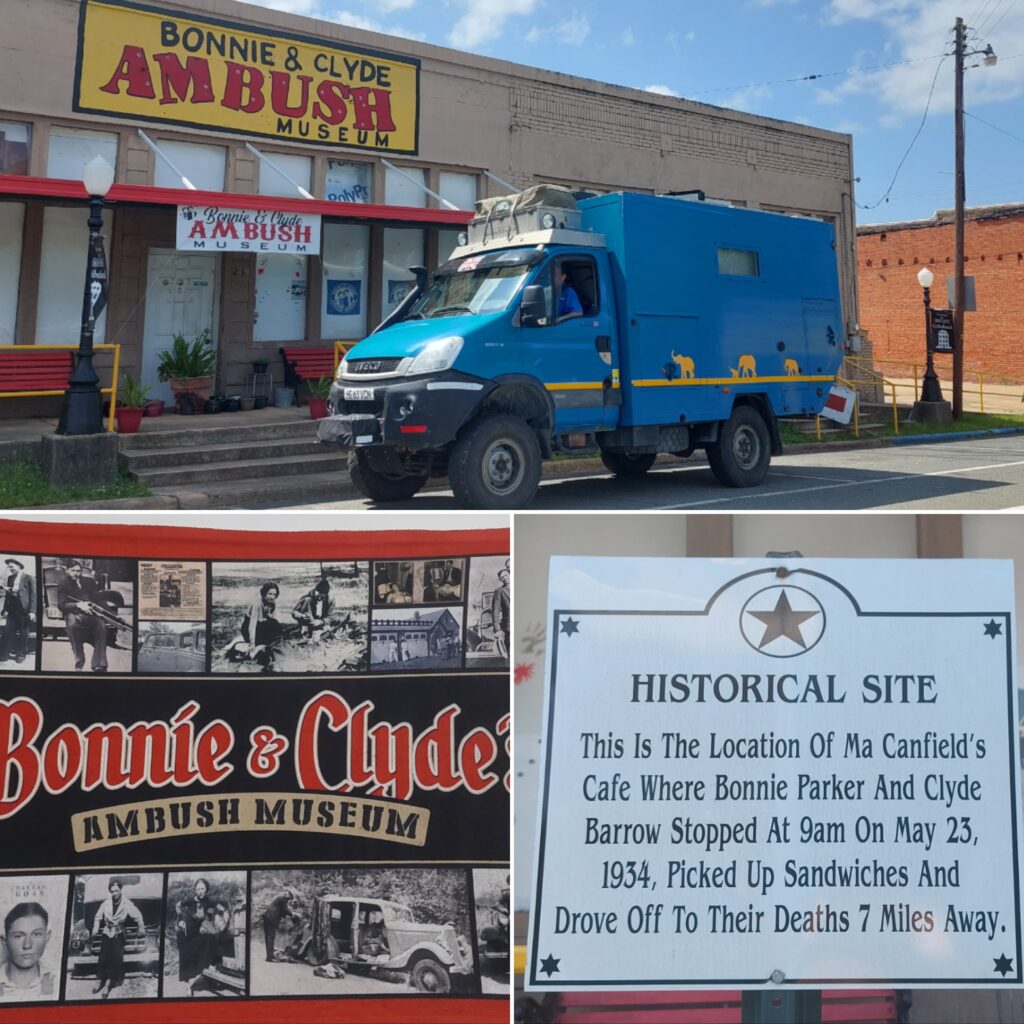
981,390
114,347
879,378
340,348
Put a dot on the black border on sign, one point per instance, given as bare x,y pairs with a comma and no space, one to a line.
564,984
320,43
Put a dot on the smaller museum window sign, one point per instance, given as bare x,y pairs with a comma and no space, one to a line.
778,772
155,64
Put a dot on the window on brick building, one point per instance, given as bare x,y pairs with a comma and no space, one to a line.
14,147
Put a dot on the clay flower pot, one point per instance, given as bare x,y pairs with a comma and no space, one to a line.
128,420
317,408
155,407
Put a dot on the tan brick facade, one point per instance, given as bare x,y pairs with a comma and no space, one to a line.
889,257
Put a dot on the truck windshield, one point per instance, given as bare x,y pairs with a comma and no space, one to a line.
479,287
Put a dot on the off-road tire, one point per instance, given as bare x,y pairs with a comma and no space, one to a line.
378,486
430,976
495,464
740,456
625,464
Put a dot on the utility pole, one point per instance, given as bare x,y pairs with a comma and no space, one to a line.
959,46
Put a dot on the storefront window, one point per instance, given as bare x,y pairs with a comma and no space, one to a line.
403,248
344,257
274,183
400,191
280,298
447,240
349,182
12,218
62,269
459,189
71,149
202,165
14,147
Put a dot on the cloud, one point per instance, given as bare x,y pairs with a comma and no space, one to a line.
661,90
749,99
571,31
356,21
387,6
483,21
627,38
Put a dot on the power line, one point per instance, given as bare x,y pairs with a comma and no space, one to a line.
975,117
903,159
1013,3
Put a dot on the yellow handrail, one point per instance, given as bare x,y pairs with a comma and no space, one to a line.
115,347
340,349
879,378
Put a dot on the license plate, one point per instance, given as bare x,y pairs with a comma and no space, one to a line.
358,394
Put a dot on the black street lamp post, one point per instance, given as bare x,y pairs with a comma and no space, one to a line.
81,412
931,390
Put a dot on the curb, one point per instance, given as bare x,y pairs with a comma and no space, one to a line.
963,435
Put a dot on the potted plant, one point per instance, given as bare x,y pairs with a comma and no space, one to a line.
189,366
131,405
319,390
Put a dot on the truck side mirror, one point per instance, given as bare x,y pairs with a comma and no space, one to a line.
533,308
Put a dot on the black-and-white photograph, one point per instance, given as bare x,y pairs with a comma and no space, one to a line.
361,931
19,633
33,908
205,934
414,640
290,617
442,580
172,647
114,940
393,582
88,614
493,945
488,614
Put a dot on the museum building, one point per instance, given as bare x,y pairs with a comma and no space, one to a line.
275,177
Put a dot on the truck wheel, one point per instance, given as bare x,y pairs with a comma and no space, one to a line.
625,464
740,456
430,976
495,464
379,486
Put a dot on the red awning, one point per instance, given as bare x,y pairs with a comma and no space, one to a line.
24,187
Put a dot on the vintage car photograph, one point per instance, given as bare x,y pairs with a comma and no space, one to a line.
114,939
323,932
491,901
172,647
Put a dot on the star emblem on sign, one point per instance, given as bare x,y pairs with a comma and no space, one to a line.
1003,965
993,629
782,621
570,626
549,965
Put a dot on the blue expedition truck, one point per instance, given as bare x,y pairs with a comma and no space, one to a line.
700,324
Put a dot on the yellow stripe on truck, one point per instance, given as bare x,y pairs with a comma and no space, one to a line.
581,386
690,382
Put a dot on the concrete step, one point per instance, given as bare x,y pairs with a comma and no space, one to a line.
259,470
138,459
268,492
209,434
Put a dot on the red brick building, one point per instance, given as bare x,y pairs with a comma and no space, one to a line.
891,309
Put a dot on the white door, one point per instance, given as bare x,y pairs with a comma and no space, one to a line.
181,298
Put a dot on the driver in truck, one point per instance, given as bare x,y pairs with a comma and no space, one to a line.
568,301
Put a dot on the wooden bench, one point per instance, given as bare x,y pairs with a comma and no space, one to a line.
838,1006
30,371
305,364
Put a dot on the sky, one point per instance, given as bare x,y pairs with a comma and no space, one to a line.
878,67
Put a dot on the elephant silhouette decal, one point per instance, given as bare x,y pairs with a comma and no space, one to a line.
747,367
685,364
792,369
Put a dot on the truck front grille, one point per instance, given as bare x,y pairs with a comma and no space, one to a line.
356,366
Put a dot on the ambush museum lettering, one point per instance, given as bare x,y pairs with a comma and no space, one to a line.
159,65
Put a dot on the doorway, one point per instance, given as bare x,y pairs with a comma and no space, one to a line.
181,298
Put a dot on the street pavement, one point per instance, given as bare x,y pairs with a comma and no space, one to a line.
980,473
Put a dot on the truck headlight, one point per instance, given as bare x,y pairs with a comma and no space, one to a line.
438,355
342,370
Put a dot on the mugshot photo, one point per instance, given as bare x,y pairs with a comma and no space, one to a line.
205,934
33,910
361,931
488,613
491,906
88,614
19,628
415,639
290,617
114,939
171,647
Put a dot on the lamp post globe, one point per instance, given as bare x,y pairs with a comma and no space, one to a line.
81,412
925,277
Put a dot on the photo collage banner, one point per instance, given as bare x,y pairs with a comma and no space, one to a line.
265,766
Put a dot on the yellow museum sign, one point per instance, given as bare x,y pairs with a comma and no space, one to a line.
153,64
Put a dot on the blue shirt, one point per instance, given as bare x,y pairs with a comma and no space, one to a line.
568,302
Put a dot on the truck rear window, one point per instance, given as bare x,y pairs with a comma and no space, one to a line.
738,262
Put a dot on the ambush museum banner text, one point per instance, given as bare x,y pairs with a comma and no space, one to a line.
155,64
797,771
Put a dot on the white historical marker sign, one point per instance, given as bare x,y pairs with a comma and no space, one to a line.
778,771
